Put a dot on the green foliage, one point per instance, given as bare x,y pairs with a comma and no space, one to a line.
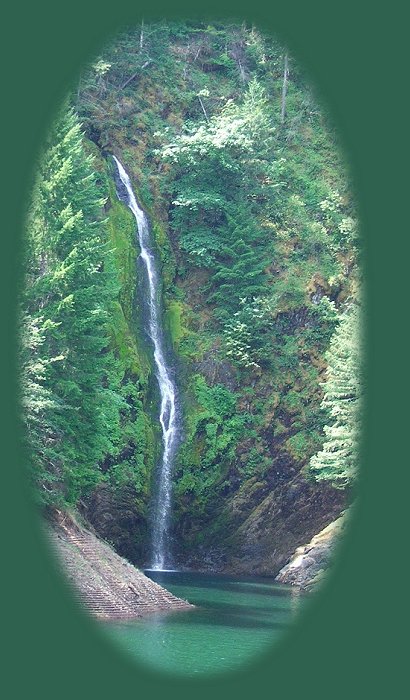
245,334
70,285
214,427
213,205
76,346
338,460
121,230
38,401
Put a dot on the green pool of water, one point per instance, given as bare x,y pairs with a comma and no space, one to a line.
235,619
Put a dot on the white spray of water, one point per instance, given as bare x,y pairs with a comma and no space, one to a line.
168,413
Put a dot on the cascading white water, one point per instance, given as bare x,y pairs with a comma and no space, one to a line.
168,412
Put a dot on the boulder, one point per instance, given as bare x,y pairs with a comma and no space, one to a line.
310,562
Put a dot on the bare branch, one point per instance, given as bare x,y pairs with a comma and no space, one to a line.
284,89
142,35
135,74
203,108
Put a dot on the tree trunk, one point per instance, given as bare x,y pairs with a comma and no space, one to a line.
203,108
284,89
134,75
142,35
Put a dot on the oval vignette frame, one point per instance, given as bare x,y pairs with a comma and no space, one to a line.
329,584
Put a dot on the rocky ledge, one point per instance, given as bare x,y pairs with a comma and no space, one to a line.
107,585
310,562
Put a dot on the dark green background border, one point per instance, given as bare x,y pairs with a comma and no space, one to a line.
346,644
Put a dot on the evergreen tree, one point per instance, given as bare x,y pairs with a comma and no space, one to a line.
69,288
338,460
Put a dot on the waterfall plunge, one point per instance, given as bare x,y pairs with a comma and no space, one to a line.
168,414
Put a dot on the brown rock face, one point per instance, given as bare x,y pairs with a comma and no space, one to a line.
117,518
264,526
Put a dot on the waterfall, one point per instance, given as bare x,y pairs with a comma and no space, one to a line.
168,412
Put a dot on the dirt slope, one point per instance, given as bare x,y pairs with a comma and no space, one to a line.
106,584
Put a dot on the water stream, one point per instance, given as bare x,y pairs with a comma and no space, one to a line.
161,558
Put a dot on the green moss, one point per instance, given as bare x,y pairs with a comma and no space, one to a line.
165,252
121,227
123,342
121,230
174,322
302,445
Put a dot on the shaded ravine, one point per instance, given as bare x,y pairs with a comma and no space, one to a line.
161,557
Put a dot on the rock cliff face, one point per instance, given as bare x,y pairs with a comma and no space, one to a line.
107,585
115,516
310,562
264,526
222,236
